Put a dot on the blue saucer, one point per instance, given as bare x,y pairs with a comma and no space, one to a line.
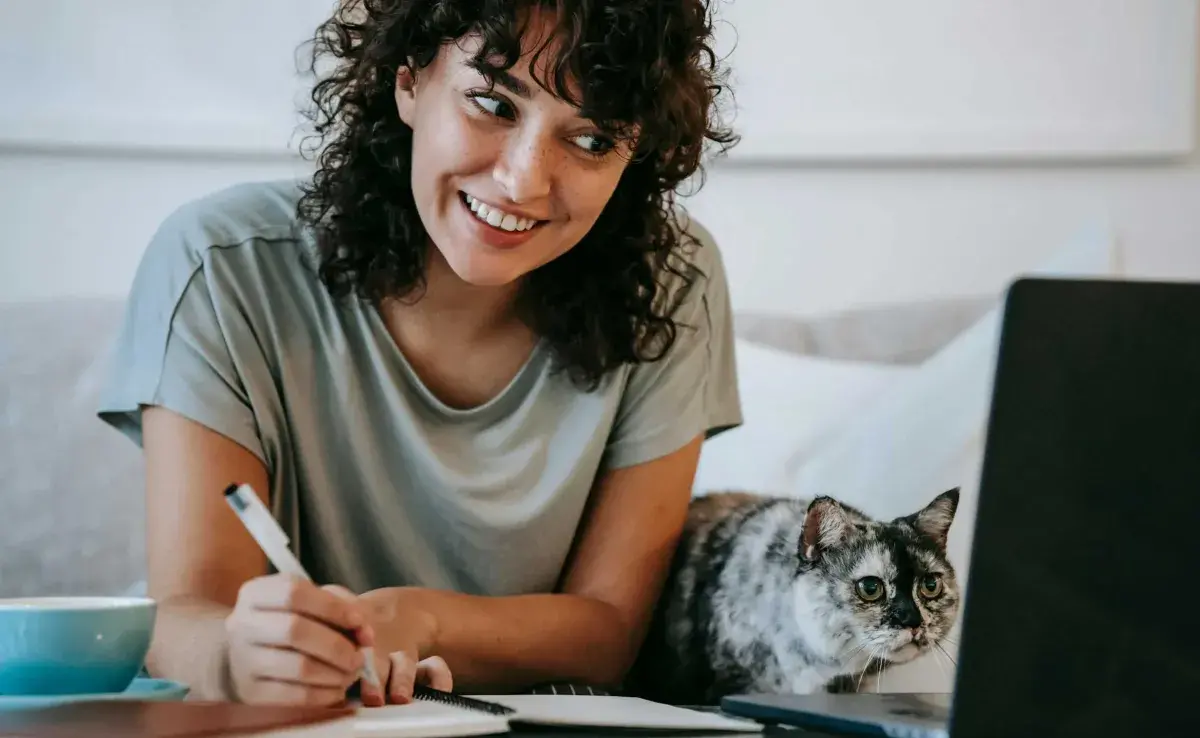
158,690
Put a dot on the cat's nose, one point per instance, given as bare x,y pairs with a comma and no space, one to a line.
906,616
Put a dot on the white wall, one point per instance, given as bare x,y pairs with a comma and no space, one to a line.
795,239
798,237
808,240
75,224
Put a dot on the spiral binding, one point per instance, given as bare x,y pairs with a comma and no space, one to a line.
430,694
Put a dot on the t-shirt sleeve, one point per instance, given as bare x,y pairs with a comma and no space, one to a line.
692,389
174,347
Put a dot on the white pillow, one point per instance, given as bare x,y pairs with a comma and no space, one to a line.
884,437
789,402
926,435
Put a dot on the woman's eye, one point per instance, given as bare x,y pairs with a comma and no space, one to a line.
931,586
593,144
494,106
869,589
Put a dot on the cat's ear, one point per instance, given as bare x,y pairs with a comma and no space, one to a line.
826,524
935,519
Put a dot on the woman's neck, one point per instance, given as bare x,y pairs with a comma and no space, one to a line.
455,309
464,342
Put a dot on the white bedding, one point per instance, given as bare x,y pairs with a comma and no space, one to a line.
882,435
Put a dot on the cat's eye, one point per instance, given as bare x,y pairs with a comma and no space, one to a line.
931,586
869,589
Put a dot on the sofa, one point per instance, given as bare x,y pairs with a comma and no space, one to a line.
71,486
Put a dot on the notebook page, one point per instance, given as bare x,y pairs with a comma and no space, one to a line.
614,712
422,719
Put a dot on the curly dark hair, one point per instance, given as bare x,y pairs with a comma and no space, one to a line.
643,71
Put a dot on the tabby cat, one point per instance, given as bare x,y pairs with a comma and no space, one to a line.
777,595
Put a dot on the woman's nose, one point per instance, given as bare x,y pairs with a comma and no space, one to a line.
525,168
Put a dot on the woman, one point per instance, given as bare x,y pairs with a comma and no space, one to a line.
468,366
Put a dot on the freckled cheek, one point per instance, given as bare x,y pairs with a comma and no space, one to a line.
585,197
458,149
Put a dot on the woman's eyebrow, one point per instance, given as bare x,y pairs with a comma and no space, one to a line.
505,79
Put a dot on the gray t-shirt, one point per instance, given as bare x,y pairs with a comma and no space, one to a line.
376,482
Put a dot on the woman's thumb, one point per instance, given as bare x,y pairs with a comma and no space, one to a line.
435,672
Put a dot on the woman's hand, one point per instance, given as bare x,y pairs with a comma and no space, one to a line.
402,658
399,672
292,642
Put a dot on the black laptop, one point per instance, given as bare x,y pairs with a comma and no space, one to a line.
1082,610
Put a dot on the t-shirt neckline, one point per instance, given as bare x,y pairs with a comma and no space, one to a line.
510,392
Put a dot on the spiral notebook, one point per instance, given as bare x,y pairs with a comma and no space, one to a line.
432,714
436,714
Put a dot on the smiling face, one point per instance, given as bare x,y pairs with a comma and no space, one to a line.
506,177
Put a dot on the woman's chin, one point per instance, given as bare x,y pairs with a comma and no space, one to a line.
487,271
488,279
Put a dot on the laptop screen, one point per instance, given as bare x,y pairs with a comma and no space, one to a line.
1082,614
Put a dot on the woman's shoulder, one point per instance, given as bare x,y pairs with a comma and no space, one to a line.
694,272
236,235
240,215
699,246
232,256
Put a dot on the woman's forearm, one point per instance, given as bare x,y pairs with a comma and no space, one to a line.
502,644
190,646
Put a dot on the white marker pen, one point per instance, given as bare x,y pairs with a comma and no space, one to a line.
274,543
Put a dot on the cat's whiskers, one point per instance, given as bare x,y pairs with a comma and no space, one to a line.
937,659
875,652
858,685
946,654
848,659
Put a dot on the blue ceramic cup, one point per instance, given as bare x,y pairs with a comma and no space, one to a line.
73,645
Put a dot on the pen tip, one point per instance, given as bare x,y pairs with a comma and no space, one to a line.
231,489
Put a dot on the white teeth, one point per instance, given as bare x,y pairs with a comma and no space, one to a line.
498,218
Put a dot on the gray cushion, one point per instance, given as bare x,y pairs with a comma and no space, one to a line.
905,333
72,519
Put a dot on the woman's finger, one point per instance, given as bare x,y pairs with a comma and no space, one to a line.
296,632
375,695
300,596
364,635
340,591
403,676
435,672
369,693
283,664
274,692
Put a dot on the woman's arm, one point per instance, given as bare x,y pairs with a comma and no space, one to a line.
197,558
592,630
224,628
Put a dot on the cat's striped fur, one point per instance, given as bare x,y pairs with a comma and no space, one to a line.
771,594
